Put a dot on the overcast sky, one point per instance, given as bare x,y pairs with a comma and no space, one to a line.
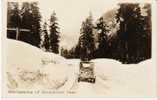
70,13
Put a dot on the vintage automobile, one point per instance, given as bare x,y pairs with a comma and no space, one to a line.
86,72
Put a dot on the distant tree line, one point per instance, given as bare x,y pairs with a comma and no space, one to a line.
131,44
28,17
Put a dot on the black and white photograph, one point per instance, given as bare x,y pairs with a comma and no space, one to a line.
79,48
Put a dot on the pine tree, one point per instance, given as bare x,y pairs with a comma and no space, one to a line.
36,28
27,17
31,19
9,14
46,42
86,40
13,18
13,15
27,20
130,33
102,50
54,34
146,47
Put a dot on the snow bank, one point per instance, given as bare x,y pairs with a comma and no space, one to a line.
116,79
29,67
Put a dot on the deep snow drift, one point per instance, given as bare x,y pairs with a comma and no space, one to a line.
28,67
126,80
114,79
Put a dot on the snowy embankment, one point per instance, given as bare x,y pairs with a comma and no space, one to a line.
28,67
116,79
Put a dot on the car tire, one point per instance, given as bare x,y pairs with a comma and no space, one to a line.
93,80
78,79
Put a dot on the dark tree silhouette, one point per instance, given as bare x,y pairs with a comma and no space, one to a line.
13,18
54,34
28,18
46,42
36,28
86,40
103,48
26,23
31,19
147,32
131,33
13,15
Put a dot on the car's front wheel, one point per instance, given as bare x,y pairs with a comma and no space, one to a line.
78,79
93,80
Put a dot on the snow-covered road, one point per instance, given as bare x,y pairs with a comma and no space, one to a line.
89,89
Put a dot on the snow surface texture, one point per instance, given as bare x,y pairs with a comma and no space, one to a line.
30,68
